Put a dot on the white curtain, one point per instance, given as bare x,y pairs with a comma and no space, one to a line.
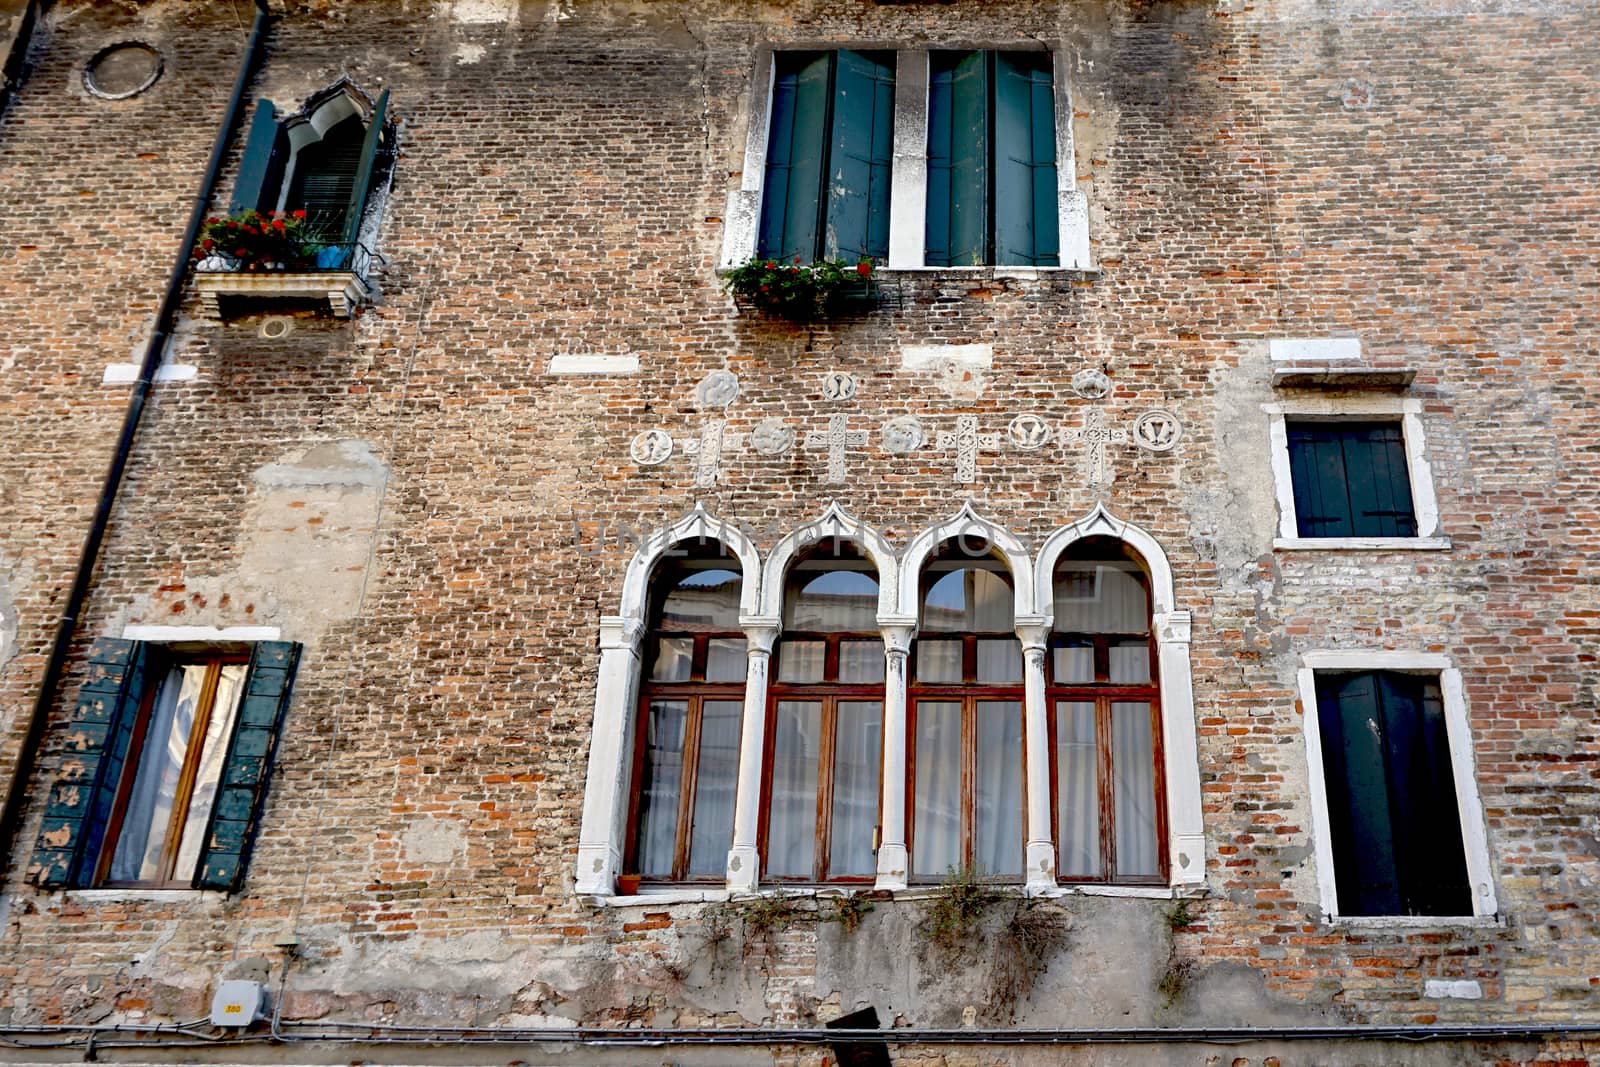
857,768
219,728
1077,789
660,783
716,783
1101,597
997,791
155,784
936,829
1134,787
792,822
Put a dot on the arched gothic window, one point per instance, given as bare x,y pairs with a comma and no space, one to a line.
686,760
1105,719
825,723
965,723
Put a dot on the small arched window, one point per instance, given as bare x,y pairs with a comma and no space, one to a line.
1105,719
825,723
686,762
965,722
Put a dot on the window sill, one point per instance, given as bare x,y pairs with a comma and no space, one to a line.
1417,922
342,290
130,895
1368,544
667,897
1017,273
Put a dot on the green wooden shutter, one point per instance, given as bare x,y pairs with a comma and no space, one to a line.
368,165
80,802
242,789
1357,783
1380,488
1025,228
261,157
958,159
796,157
860,155
1430,859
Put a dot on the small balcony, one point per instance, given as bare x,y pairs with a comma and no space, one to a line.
331,274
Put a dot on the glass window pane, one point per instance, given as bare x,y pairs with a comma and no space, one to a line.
792,824
938,661
1073,662
1133,785
219,729
997,790
716,776
936,804
674,659
833,601
861,661
992,602
1101,597
1077,790
801,661
999,660
704,598
148,815
969,599
725,661
857,766
1130,660
660,781
944,606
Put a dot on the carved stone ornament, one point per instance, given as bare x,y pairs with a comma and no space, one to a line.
1028,432
717,390
651,448
1091,384
838,386
903,435
1157,430
772,437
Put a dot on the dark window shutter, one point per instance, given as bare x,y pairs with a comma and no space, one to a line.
324,175
1350,480
796,148
362,185
79,804
860,154
958,159
261,157
1025,227
1358,795
242,788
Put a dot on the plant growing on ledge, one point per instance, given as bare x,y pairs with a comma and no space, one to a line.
799,292
255,241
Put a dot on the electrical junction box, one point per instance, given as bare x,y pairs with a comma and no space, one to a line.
238,1003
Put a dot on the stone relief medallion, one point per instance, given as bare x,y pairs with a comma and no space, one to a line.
838,386
903,435
1029,432
1091,384
1157,430
771,437
717,390
651,448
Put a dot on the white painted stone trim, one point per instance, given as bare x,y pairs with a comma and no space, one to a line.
128,373
1039,865
656,898
605,794
894,857
1343,409
1459,989
743,870
840,525
1072,206
1290,349
1463,768
743,217
143,632
695,526
967,524
908,178
594,365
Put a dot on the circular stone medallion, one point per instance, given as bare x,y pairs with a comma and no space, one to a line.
1157,430
718,390
1029,432
651,448
837,386
903,435
771,437
119,71
1091,384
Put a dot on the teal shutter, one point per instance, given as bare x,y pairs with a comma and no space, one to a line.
860,155
242,788
958,159
796,147
1025,228
1357,784
1350,480
366,168
79,804
261,157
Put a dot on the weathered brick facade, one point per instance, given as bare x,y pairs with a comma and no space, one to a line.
414,496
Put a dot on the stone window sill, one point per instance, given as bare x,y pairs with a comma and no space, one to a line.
980,273
1417,922
666,896
212,897
342,290
1365,544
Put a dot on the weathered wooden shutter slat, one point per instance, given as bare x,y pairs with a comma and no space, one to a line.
958,159
1380,490
362,186
246,770
796,151
860,154
257,161
79,804
1025,231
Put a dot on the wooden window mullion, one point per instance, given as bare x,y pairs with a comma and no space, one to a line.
969,776
1105,767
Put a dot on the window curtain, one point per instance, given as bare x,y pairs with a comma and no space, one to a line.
1077,789
1134,788
155,784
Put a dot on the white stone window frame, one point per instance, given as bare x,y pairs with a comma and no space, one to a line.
1463,770
908,182
605,807
1407,411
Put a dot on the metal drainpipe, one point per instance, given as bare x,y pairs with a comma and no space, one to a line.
11,72
11,813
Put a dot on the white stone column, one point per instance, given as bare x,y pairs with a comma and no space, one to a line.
908,182
605,795
893,858
744,858
1034,633
1186,837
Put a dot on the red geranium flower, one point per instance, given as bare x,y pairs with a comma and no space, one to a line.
864,268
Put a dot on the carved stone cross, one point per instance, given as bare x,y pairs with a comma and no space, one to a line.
1095,435
838,439
706,453
967,442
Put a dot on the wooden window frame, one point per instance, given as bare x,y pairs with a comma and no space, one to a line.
829,693
183,795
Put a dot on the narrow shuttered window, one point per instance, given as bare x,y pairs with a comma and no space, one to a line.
1350,479
1397,846
991,160
324,178
829,148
